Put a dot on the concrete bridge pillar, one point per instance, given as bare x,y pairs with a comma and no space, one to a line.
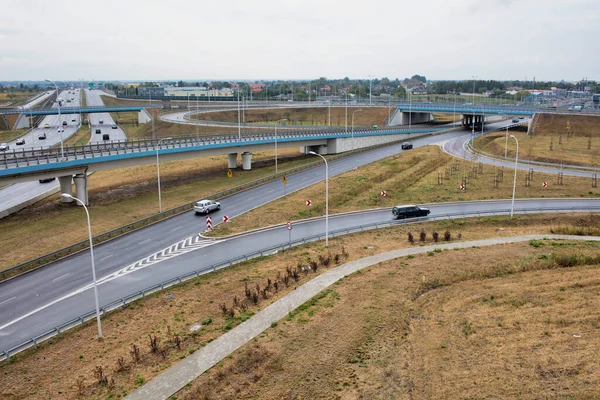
81,188
22,122
246,161
232,160
66,187
143,116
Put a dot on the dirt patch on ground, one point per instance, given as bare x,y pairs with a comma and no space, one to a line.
63,368
567,139
431,327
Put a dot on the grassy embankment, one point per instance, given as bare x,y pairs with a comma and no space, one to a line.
551,141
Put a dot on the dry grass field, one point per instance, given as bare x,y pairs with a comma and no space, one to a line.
306,116
395,330
552,141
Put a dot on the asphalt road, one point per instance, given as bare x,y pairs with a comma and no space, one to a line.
14,197
38,301
93,99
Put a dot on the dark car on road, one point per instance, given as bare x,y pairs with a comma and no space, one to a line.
46,180
407,146
402,212
20,142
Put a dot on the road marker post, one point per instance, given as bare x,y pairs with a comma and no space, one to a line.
208,223
289,228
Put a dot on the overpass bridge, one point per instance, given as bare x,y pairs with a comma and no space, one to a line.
32,164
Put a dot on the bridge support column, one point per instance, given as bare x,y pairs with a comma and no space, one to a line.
66,187
246,161
22,122
232,160
81,188
144,117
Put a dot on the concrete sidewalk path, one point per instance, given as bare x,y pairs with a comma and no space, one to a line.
187,370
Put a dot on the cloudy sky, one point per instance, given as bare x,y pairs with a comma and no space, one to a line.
306,39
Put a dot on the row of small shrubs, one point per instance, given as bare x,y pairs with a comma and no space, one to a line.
292,275
435,236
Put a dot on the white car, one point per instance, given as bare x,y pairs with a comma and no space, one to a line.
206,206
4,146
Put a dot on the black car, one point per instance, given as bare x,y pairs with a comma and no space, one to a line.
114,126
98,131
407,146
46,180
20,142
402,212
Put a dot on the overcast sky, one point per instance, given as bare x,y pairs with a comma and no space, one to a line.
302,39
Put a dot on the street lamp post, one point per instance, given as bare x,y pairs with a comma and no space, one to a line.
68,196
158,173
277,123
506,143
512,204
326,197
370,80
355,111
62,150
473,105
346,120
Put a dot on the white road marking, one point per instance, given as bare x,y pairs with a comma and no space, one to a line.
174,229
6,301
185,246
272,190
60,277
102,259
144,241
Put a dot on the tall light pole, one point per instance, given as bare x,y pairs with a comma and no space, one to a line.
473,105
326,197
62,150
277,123
353,127
506,144
158,173
151,109
68,196
512,204
370,79
239,120
346,112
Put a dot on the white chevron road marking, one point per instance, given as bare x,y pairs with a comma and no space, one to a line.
177,249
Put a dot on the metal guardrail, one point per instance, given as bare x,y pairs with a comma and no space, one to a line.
80,321
84,244
44,156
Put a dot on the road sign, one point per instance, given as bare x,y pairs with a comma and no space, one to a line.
289,226
225,218
208,222
308,203
284,179
462,187
229,173
545,184
383,193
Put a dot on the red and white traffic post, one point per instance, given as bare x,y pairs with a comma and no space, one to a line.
208,223
289,228
308,204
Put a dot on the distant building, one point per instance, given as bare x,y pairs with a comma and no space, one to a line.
151,91
194,91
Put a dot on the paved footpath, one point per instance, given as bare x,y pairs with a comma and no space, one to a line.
187,370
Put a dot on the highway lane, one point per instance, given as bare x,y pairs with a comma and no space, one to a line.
131,279
93,99
18,195
457,147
